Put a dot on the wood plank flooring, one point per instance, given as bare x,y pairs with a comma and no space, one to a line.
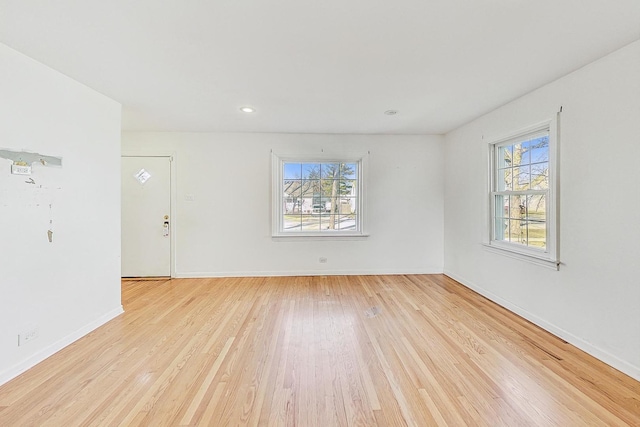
413,350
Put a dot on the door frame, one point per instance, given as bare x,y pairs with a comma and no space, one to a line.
171,155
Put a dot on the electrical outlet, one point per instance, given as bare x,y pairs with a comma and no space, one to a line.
20,170
322,260
28,335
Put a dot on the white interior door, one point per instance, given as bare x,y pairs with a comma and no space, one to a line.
146,216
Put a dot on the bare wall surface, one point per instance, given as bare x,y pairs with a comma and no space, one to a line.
59,226
594,300
223,222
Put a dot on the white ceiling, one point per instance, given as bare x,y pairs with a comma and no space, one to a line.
321,66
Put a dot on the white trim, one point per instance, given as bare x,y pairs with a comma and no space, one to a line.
50,350
602,355
288,273
172,155
326,235
527,257
516,135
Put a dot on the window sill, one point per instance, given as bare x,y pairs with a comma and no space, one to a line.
527,257
317,236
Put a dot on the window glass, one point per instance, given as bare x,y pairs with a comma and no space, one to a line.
319,197
521,190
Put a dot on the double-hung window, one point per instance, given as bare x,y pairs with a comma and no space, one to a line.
317,197
523,204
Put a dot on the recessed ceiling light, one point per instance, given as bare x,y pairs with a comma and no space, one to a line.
247,109
391,112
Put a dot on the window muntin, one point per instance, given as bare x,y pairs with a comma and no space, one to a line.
522,204
317,198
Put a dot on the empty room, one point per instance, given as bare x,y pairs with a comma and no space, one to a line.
339,213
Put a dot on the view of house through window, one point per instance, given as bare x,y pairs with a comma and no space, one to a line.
521,191
319,196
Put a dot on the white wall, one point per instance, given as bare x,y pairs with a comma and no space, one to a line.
594,300
70,286
226,229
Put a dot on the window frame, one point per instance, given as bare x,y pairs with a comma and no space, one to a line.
549,256
277,193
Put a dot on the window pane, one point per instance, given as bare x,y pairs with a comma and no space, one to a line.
306,204
292,171
292,188
331,221
348,171
540,149
347,222
347,187
515,231
501,231
310,222
504,180
304,189
525,156
536,221
516,159
537,234
311,171
319,206
517,214
507,232
517,206
504,156
527,220
291,222
536,207
501,206
330,170
330,187
326,219
521,178
347,205
290,206
310,188
540,176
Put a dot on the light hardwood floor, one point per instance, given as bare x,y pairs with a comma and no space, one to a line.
416,350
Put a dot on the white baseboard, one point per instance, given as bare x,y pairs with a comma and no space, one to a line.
195,275
598,353
44,353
